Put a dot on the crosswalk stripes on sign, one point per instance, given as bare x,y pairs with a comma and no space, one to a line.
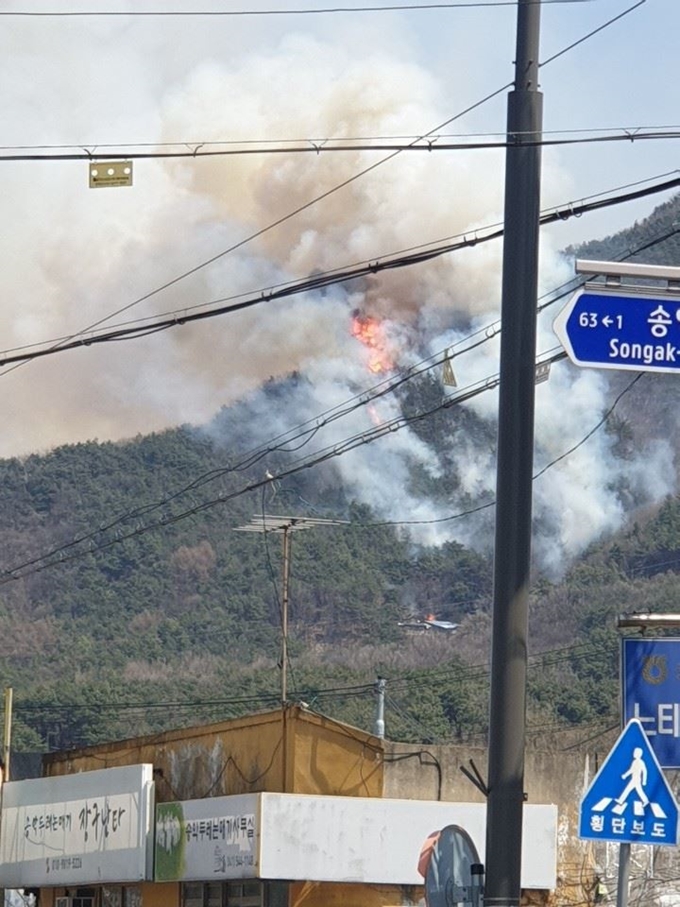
638,808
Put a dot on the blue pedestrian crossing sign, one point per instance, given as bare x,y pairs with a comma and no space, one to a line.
629,800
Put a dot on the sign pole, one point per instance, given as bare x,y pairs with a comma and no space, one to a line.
624,873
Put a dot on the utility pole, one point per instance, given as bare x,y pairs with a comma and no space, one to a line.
6,752
512,553
7,738
285,526
379,723
284,611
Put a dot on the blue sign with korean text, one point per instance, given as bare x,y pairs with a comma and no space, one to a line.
621,330
629,800
650,688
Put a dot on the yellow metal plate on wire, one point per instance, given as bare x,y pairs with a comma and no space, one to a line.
110,173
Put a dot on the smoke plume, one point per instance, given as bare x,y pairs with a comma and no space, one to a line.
76,255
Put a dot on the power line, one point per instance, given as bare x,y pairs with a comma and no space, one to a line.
592,33
91,148
324,147
401,683
410,7
549,658
257,233
364,439
316,282
179,316
108,706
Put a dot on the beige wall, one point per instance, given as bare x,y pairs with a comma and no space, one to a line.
166,894
314,894
332,758
293,752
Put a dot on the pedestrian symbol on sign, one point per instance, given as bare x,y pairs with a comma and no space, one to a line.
629,800
638,778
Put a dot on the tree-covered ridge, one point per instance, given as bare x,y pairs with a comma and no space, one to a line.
98,607
182,623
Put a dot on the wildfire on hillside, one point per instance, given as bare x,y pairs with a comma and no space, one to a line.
370,331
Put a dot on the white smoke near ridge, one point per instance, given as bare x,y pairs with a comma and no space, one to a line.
98,251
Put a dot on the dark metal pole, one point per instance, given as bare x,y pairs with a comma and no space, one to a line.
624,875
507,714
284,616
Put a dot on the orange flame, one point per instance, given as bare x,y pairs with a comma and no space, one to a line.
370,331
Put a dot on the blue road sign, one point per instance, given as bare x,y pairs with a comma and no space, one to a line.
650,688
621,331
629,800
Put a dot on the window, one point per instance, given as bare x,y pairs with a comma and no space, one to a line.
84,897
106,896
192,894
276,894
244,894
223,894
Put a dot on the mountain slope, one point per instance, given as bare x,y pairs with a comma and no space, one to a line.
125,588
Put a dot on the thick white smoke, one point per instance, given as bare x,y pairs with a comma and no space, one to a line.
83,254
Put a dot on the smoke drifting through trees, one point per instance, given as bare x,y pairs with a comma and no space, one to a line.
90,253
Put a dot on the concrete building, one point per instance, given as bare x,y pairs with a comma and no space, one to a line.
282,809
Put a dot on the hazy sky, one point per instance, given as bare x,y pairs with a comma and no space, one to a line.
621,77
73,255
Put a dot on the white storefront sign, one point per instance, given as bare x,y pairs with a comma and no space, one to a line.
215,838
91,827
376,841
328,839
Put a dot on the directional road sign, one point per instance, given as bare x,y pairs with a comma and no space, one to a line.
621,330
650,686
629,800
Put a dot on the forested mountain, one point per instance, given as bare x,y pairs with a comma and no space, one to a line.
119,585
129,603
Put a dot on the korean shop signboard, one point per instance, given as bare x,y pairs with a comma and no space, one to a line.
77,829
215,838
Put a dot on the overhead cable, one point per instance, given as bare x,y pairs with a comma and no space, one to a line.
318,148
239,13
194,146
318,282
